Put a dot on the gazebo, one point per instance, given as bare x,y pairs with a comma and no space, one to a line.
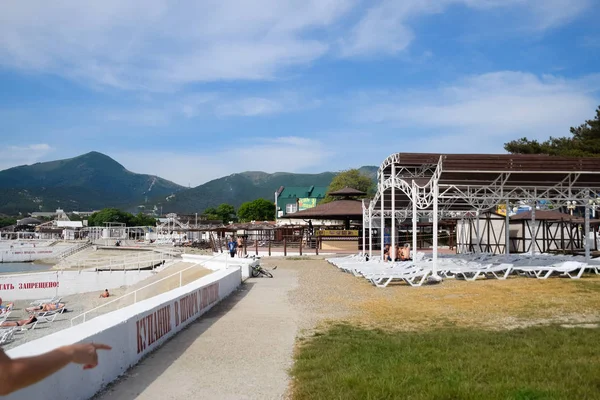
346,209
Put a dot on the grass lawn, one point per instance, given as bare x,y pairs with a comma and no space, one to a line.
549,362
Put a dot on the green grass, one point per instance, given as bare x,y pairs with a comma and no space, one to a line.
534,363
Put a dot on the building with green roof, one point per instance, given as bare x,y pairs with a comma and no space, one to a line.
290,199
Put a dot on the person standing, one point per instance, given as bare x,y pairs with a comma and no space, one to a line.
240,246
231,246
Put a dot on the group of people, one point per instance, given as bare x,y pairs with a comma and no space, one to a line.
401,253
32,313
236,246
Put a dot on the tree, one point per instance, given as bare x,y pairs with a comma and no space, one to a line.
109,215
257,210
351,178
142,219
7,221
584,143
224,212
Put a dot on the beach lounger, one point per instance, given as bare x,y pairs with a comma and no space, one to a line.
46,317
6,335
54,299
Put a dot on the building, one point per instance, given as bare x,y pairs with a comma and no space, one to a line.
291,199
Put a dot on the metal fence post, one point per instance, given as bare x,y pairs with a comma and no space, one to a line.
284,247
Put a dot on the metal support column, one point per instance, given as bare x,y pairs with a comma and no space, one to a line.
435,228
587,226
382,227
414,220
477,236
533,228
364,229
393,236
370,233
507,229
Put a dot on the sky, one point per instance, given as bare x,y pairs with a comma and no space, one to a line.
193,90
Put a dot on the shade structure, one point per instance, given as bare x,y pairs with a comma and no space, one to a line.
438,185
347,192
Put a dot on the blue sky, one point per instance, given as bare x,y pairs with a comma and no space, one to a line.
195,90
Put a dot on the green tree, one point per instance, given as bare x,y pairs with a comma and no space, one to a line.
585,142
351,178
109,215
224,212
257,210
142,219
7,221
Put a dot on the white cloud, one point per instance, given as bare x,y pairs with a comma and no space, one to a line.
385,27
288,154
161,45
155,44
11,156
480,113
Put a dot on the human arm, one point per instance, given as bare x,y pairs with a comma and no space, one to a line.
22,372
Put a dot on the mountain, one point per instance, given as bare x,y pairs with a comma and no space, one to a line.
90,181
239,188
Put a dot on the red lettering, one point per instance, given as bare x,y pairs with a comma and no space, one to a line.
140,340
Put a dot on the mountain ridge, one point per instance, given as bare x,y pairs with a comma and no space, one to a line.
94,180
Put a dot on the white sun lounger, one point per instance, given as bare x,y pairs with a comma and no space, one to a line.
572,269
414,277
54,299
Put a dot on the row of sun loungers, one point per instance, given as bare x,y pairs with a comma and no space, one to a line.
7,333
466,267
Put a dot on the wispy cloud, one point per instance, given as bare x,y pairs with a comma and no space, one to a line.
480,113
155,44
385,27
11,156
162,45
289,154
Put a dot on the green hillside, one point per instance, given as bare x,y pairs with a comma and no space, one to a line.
239,188
90,181
95,181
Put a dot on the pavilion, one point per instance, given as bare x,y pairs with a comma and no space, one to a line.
450,185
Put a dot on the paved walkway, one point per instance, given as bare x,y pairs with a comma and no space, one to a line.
241,349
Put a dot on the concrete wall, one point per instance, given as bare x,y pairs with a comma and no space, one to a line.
133,332
26,254
39,285
221,261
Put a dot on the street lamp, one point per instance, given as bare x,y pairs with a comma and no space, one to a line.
571,205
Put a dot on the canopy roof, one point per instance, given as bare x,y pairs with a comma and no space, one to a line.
481,181
339,209
347,191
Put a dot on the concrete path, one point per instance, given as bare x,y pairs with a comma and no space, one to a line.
241,349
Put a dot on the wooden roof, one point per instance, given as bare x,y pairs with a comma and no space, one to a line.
347,191
339,209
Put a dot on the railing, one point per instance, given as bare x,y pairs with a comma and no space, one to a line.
72,250
137,261
134,293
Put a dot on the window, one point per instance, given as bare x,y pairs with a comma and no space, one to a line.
291,208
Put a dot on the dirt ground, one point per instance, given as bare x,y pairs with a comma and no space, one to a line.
328,295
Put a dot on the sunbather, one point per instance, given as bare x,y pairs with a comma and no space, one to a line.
22,322
4,307
105,293
46,307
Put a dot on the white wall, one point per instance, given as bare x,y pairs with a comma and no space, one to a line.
39,285
221,261
129,331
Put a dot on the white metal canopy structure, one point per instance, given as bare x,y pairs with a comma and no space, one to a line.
440,185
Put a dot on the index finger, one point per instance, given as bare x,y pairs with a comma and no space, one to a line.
100,346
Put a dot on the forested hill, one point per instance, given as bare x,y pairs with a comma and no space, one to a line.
239,188
87,182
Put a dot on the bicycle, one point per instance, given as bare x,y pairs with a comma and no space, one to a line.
257,270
